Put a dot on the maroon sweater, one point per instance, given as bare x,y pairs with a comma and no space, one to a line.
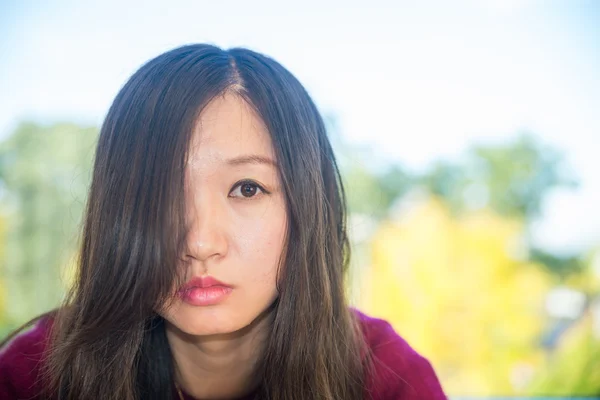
398,373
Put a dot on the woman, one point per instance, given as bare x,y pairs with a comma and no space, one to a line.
213,253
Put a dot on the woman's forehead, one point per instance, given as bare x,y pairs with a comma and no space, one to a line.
229,128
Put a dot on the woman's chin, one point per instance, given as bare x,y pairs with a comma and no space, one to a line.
205,321
206,330
221,319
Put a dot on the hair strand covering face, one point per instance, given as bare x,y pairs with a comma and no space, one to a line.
108,340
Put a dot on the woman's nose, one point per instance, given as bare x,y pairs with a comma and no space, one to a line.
206,238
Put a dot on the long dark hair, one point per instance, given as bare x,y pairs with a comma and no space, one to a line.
108,341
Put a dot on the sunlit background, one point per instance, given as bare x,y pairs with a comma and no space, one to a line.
468,133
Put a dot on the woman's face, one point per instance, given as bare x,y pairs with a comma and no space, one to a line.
237,222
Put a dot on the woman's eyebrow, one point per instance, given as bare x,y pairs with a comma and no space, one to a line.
251,159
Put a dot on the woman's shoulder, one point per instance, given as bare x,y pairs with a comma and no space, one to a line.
21,359
397,370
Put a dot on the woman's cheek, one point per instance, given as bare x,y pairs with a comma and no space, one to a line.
261,228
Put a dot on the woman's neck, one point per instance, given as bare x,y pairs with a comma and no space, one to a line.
219,366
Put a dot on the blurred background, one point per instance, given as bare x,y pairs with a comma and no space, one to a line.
468,134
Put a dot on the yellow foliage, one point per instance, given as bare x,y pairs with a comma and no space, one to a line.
458,292
69,272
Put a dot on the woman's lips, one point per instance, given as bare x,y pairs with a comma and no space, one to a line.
204,291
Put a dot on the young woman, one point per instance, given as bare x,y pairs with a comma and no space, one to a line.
213,254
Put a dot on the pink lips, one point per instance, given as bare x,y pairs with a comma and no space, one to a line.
204,291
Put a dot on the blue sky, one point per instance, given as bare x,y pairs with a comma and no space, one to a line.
416,81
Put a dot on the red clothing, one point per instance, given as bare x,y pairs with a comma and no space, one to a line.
399,372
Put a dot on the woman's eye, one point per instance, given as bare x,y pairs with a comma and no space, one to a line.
246,189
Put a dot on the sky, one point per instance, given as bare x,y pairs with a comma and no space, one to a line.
415,81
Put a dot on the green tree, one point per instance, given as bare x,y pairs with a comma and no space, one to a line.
513,178
373,193
44,172
520,174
